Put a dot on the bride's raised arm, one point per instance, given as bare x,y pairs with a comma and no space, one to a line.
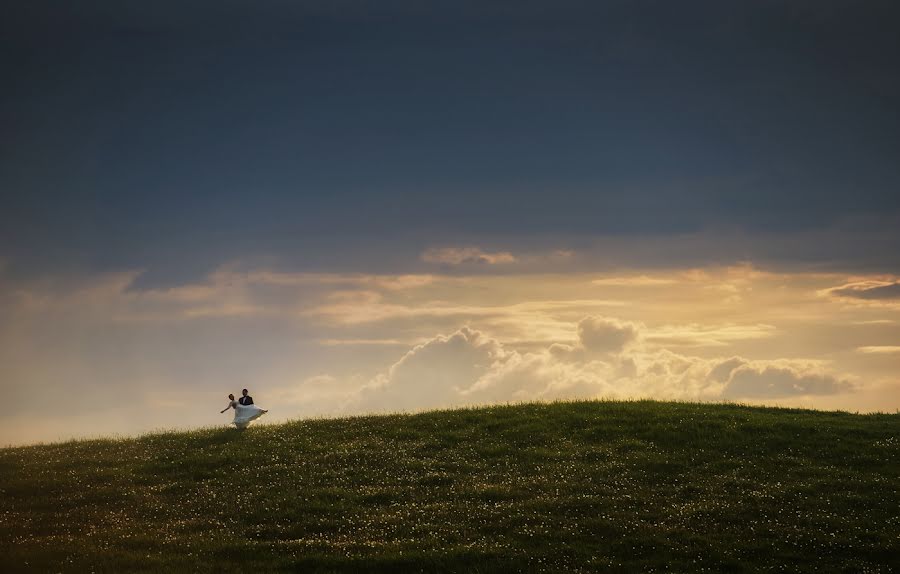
230,405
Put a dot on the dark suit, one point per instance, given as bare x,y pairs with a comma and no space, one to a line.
248,400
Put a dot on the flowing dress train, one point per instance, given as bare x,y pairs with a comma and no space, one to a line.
245,414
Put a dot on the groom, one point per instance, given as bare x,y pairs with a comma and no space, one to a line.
246,399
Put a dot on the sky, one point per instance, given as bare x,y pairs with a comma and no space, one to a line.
353,207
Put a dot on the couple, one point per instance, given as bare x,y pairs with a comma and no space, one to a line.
245,411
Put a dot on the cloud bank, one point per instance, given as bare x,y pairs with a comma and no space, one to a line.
609,360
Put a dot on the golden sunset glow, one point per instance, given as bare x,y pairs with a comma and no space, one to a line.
332,343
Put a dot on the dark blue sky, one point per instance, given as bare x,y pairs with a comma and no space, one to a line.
175,136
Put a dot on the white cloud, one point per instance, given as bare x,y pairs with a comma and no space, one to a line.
468,367
780,379
606,335
435,373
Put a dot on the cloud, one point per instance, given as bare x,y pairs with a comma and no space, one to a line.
231,275
605,335
706,336
227,293
879,349
634,281
867,290
722,372
435,373
466,255
597,337
469,367
760,380
883,291
365,306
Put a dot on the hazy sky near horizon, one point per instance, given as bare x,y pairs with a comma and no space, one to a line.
352,206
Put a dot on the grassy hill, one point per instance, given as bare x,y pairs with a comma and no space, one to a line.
582,486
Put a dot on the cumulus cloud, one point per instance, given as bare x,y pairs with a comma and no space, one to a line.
469,367
722,372
435,373
781,379
597,337
464,255
605,335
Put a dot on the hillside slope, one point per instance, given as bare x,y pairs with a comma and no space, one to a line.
582,486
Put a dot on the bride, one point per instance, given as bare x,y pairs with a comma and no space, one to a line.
243,414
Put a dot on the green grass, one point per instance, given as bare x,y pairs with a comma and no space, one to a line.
582,486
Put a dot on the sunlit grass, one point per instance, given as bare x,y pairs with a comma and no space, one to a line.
582,486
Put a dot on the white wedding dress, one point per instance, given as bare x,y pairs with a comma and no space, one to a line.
245,414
